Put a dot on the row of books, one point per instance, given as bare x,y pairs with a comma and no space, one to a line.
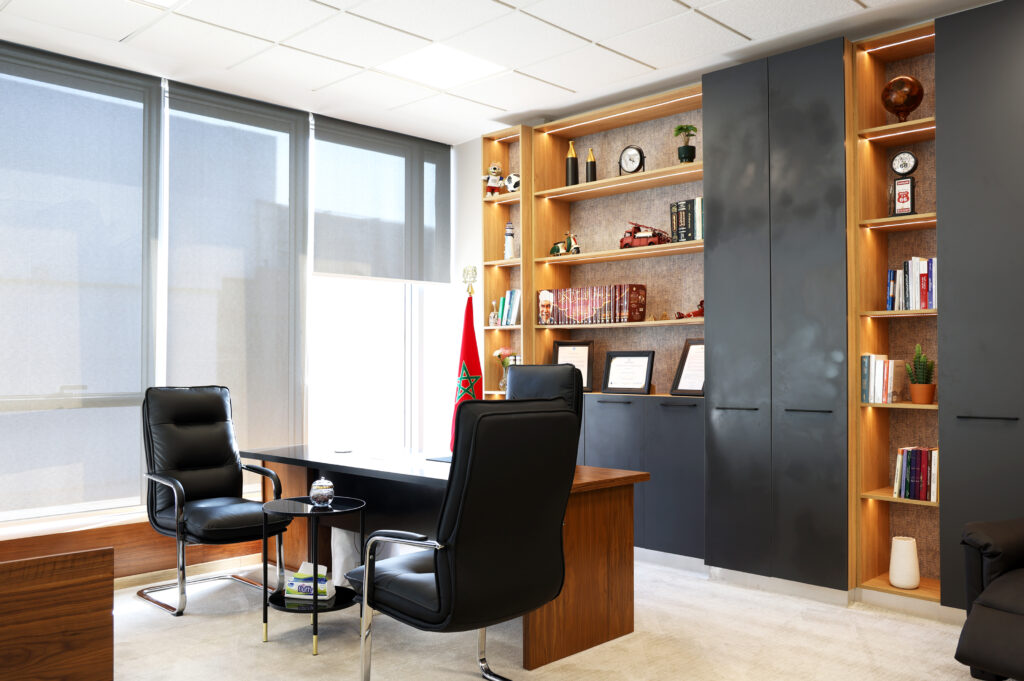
508,307
917,474
687,219
612,304
915,286
880,379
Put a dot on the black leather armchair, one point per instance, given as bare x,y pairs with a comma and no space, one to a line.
992,640
497,553
195,480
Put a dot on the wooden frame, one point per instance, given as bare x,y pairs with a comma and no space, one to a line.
676,390
609,361
587,370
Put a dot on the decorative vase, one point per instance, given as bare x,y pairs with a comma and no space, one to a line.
901,95
904,572
503,383
322,492
687,153
922,393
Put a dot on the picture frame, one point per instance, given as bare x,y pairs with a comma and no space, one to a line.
578,353
690,372
628,371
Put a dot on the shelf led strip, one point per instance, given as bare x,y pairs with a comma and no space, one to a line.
619,184
900,224
896,134
902,42
622,113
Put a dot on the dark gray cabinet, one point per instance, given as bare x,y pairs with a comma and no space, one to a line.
775,279
981,249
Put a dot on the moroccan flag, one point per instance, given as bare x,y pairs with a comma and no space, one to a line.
469,386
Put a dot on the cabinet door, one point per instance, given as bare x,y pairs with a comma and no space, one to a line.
614,427
808,315
673,454
737,282
981,253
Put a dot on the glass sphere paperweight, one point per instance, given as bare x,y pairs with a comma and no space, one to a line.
322,492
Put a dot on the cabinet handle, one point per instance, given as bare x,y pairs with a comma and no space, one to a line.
988,418
737,408
676,404
615,401
811,411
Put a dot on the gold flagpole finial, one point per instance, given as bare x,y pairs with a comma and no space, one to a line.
469,277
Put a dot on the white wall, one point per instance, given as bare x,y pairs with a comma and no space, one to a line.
467,222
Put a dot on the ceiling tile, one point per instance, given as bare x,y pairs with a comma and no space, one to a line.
437,19
270,19
675,40
600,67
515,40
443,106
109,19
192,46
355,40
285,67
376,89
514,92
342,4
760,19
439,66
600,19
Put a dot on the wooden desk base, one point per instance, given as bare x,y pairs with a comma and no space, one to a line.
596,603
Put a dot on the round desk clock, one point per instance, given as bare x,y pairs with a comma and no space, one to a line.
631,159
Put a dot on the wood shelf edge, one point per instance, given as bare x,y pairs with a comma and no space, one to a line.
504,327
901,223
689,321
514,262
648,108
686,172
508,197
885,494
929,590
900,313
659,250
901,405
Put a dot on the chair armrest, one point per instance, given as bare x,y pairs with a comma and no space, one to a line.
267,473
179,498
389,537
999,546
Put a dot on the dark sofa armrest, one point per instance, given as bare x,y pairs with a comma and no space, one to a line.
991,549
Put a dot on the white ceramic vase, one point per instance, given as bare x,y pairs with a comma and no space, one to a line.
904,572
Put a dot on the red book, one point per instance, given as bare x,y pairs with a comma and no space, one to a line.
885,381
924,290
925,477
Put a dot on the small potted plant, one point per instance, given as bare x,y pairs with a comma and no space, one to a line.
687,152
920,370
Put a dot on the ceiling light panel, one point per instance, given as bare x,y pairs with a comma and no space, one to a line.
356,41
271,19
515,40
675,40
586,69
108,19
439,66
515,92
372,89
437,19
766,18
600,19
189,46
284,67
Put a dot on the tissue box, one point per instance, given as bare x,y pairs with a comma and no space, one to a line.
300,584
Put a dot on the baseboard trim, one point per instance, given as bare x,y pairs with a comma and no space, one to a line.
911,606
782,586
672,560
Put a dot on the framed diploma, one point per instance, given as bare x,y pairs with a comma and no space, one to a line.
628,372
580,354
689,378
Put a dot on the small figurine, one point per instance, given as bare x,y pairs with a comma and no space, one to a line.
642,235
570,245
699,312
492,319
513,182
493,179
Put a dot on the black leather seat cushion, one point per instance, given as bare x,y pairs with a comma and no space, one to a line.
993,636
407,583
223,520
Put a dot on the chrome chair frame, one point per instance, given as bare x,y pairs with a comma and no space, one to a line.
181,542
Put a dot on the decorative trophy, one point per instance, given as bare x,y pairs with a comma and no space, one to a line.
903,164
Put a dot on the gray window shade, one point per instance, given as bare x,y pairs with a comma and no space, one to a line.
382,203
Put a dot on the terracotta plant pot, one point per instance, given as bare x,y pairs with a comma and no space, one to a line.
922,393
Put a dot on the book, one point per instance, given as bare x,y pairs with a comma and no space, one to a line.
514,314
698,211
865,378
897,473
673,211
501,310
934,472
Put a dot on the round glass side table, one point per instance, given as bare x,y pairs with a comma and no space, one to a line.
303,507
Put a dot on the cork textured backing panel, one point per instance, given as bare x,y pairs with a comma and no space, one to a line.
922,68
513,159
515,216
599,223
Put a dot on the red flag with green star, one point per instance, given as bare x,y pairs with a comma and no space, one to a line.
470,382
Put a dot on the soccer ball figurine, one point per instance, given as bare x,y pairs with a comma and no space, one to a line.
493,179
513,182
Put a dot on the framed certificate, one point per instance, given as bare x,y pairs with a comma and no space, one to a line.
628,372
580,354
689,378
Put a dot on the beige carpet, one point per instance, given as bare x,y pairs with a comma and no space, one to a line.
687,627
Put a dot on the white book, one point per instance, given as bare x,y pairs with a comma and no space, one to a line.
508,308
879,379
935,282
514,314
900,302
892,381
933,473
915,286
897,474
698,218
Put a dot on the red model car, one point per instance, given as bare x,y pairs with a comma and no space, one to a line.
642,235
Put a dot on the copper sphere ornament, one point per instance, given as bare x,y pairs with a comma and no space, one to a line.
901,95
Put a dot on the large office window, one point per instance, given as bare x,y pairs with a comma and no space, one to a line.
75,165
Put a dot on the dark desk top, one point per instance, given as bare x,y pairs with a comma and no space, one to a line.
413,467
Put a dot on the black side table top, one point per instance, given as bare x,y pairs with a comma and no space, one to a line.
302,506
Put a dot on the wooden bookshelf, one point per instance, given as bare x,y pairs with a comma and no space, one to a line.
885,494
896,314
928,591
504,327
626,113
508,197
662,177
659,250
901,223
514,262
688,321
900,405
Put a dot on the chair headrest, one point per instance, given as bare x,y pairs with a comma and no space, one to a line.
544,381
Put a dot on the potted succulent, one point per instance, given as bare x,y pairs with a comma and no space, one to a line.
920,370
687,152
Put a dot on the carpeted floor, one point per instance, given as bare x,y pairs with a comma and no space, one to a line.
687,627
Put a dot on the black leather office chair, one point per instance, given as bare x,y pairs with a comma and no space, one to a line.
544,381
497,553
992,639
195,480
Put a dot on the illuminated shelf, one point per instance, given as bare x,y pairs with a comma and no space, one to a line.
900,313
885,494
662,177
514,262
928,591
902,223
689,321
898,134
900,405
504,327
628,113
625,253
510,197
